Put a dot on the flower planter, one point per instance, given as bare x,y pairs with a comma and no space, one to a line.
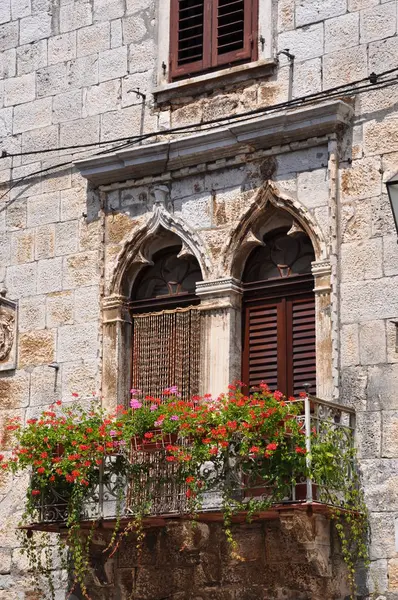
159,441
301,491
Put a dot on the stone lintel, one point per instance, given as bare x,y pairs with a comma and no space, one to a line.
261,132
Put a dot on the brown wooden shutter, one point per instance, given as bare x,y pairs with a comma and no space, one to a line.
209,33
233,31
301,344
190,31
279,344
260,355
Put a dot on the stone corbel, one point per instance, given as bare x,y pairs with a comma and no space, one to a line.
312,535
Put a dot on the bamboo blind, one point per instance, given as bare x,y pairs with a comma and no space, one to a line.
166,351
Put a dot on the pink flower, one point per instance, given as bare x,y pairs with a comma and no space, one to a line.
113,433
135,403
153,407
134,392
174,418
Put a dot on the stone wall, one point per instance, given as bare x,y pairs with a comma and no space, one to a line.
287,559
68,75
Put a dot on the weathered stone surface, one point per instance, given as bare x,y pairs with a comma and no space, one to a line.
372,342
390,434
19,89
77,342
101,98
80,269
14,390
49,275
59,309
362,258
349,345
361,179
37,114
45,241
93,39
313,188
307,77
112,63
378,23
80,378
44,386
341,32
355,304
66,238
36,347
381,392
369,428
86,305
22,247
304,43
311,11
32,311
343,67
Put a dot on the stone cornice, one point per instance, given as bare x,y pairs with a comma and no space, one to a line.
238,138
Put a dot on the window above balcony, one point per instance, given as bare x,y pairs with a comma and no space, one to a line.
202,42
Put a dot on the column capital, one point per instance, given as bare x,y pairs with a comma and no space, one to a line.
219,293
116,308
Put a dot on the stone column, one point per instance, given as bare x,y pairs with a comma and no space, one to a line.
116,363
324,355
221,303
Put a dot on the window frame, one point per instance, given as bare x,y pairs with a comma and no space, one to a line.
211,61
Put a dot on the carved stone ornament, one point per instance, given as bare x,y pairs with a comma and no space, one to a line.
8,334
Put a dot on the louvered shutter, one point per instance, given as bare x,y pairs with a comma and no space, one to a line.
260,354
279,344
234,26
190,31
209,33
301,344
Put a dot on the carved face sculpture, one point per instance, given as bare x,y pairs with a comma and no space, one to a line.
6,335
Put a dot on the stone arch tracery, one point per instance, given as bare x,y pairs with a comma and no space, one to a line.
269,204
160,231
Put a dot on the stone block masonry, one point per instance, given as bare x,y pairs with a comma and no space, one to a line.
69,71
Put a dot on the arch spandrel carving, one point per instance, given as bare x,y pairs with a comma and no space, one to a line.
248,233
160,228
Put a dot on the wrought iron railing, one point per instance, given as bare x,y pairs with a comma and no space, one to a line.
144,479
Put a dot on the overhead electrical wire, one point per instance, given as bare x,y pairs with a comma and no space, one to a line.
372,83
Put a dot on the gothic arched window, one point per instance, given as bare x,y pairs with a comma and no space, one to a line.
279,314
166,325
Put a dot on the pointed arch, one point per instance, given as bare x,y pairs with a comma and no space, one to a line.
153,236
246,234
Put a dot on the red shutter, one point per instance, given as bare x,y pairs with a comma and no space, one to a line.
279,344
190,25
301,344
234,31
260,354
209,33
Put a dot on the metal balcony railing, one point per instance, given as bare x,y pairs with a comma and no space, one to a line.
145,479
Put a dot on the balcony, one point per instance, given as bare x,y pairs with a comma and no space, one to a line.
143,478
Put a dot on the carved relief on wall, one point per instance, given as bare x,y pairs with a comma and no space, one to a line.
8,333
